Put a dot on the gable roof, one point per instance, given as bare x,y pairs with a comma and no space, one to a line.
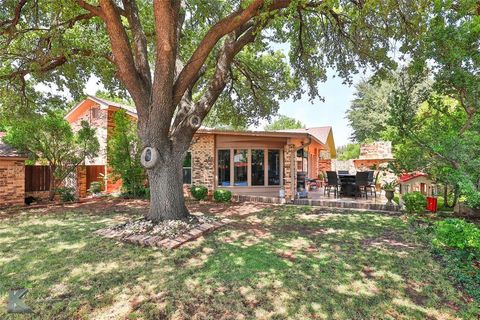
7,151
409,176
107,103
323,134
103,103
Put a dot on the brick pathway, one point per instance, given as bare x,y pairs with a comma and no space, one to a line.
165,243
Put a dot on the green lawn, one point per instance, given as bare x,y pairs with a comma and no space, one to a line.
284,262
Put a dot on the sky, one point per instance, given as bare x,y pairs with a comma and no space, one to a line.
330,112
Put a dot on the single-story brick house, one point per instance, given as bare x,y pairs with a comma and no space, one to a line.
12,175
245,162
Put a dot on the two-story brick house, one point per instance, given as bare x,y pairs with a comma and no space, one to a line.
245,162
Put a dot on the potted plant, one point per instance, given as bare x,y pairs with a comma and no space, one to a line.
320,179
389,188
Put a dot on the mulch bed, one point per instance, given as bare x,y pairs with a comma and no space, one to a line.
168,234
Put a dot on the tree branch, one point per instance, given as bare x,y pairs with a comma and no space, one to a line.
16,17
49,65
139,41
220,29
96,10
122,53
188,125
423,145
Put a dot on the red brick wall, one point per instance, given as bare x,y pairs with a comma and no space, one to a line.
81,181
112,185
12,182
324,165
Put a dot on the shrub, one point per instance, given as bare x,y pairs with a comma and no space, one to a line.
140,193
124,150
95,187
415,202
199,192
457,233
222,195
396,199
472,198
66,194
147,193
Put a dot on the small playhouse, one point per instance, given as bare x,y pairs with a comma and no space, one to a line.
417,181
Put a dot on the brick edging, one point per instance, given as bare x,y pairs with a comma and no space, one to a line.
165,243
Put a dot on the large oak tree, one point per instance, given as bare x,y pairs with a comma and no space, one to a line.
177,59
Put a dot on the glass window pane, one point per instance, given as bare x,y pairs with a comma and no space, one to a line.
223,168
240,167
187,168
258,169
187,175
273,167
187,161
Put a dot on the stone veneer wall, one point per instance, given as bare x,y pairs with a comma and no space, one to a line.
288,151
343,165
376,150
100,123
203,160
354,165
12,182
367,164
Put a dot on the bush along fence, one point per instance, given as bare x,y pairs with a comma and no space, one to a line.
456,244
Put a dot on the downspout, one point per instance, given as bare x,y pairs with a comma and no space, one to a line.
293,169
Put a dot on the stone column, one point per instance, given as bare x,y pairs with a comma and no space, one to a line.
203,161
290,175
82,181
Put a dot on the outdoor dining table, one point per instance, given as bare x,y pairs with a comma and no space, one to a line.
347,184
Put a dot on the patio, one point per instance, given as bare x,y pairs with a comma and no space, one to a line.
317,198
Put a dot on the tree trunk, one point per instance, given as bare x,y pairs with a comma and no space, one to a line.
166,190
51,192
445,196
456,194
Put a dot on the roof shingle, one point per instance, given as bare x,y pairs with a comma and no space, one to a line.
320,133
7,151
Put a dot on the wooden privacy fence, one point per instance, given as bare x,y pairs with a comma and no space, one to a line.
37,178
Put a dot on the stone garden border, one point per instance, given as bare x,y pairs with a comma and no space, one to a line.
164,243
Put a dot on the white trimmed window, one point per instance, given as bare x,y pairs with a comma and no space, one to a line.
246,167
187,168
